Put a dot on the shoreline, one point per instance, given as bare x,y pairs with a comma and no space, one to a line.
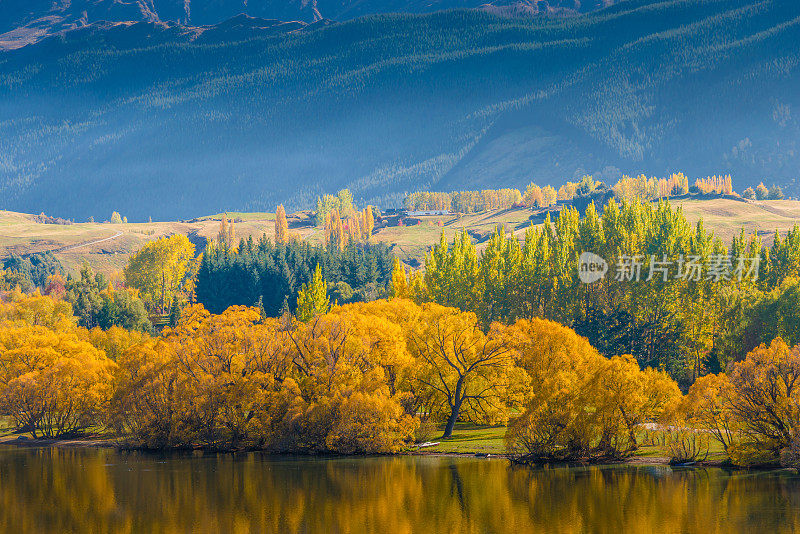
18,440
23,442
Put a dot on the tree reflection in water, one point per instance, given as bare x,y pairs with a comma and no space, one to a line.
64,490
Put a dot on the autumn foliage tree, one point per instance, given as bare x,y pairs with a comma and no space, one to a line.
342,202
579,404
53,381
236,380
705,408
214,380
312,299
753,411
539,197
335,236
359,378
36,310
463,201
343,360
643,188
281,225
463,371
159,270
533,196
765,401
227,232
715,184
399,280
366,223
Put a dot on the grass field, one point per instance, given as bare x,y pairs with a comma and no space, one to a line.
722,216
727,217
106,247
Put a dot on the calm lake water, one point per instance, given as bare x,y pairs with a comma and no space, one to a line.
64,490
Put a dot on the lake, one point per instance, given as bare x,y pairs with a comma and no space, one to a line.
100,490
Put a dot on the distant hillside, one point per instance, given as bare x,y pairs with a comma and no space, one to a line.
106,247
166,121
26,21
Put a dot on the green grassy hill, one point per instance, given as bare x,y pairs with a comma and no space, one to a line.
106,247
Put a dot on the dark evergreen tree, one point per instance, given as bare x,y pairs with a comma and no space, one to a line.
268,274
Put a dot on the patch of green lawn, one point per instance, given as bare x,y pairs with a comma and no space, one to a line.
470,439
5,426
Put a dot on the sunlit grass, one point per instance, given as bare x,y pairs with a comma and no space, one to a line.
6,427
19,234
240,215
474,439
470,439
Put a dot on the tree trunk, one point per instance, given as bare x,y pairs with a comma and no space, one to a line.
455,409
163,291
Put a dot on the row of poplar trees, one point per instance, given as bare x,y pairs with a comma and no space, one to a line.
685,325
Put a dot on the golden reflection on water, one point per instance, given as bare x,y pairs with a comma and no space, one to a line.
64,490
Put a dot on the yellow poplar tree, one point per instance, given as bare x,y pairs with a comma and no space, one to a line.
222,234
334,230
281,226
549,195
399,282
369,223
226,233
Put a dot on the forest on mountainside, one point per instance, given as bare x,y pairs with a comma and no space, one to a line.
154,123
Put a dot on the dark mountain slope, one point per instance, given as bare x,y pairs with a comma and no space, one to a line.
23,22
172,123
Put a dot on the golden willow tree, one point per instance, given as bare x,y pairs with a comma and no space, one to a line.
579,404
359,378
53,381
463,370
753,411
238,380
